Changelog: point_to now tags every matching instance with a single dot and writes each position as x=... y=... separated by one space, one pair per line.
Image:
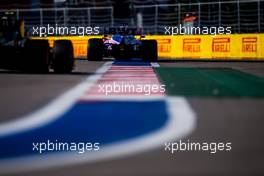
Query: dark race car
x=122 y=45
x=22 y=53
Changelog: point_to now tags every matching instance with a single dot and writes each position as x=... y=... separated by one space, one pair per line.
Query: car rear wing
x=123 y=30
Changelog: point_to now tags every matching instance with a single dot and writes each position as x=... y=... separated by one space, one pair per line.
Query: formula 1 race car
x=122 y=45
x=22 y=53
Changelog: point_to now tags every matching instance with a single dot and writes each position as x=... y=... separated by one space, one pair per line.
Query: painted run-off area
x=217 y=82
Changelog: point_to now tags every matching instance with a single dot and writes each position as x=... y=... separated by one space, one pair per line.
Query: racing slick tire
x=150 y=50
x=36 y=53
x=95 y=49
x=63 y=57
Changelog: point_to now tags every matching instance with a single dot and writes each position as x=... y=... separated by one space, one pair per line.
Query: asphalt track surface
x=238 y=120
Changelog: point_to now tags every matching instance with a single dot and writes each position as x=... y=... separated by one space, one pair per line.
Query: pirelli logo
x=164 y=45
x=221 y=45
x=249 y=44
x=192 y=45
x=80 y=48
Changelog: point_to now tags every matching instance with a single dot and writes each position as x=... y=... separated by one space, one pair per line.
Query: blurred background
x=236 y=115
x=152 y=15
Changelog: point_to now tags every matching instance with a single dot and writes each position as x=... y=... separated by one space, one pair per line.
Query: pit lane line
x=180 y=123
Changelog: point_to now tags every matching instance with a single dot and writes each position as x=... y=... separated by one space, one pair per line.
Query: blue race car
x=122 y=46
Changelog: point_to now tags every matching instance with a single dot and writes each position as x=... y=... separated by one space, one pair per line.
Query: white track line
x=54 y=109
x=154 y=64
x=181 y=122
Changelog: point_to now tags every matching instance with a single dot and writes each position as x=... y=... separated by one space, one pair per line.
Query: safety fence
x=242 y=16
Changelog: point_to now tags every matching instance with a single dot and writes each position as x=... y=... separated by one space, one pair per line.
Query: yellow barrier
x=235 y=46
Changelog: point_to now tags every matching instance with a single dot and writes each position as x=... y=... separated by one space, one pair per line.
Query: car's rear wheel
x=95 y=49
x=149 y=50
x=36 y=56
x=63 y=58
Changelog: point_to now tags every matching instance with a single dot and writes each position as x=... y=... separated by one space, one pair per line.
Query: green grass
x=210 y=82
